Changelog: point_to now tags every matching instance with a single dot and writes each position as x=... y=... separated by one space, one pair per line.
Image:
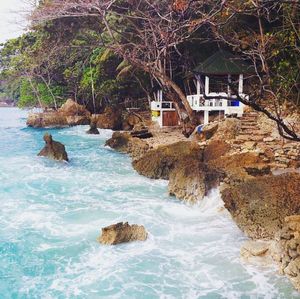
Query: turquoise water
x=51 y=214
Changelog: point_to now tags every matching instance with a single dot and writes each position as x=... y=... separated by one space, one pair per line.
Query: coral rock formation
x=122 y=233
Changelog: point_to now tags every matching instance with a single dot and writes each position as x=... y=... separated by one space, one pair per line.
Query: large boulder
x=122 y=233
x=228 y=129
x=110 y=119
x=216 y=149
x=191 y=179
x=119 y=141
x=125 y=143
x=70 y=114
x=46 y=119
x=158 y=163
x=260 y=205
x=71 y=108
x=53 y=149
x=238 y=167
x=131 y=120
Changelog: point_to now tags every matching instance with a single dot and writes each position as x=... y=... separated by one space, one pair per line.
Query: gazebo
x=214 y=80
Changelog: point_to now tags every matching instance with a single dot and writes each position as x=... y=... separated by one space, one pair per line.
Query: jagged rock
x=53 y=149
x=70 y=114
x=131 y=120
x=137 y=148
x=259 y=205
x=191 y=180
x=125 y=143
x=122 y=233
x=290 y=249
x=216 y=149
x=93 y=127
x=239 y=166
x=158 y=163
x=71 y=108
x=228 y=129
x=119 y=141
x=254 y=248
x=110 y=119
x=77 y=120
x=46 y=119
x=259 y=252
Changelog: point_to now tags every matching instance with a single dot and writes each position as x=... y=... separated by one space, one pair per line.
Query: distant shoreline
x=5 y=105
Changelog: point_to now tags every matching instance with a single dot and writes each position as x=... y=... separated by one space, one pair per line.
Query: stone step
x=244 y=138
x=251 y=133
x=250 y=114
x=249 y=122
x=247 y=127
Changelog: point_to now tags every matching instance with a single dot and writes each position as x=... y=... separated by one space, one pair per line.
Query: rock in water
x=53 y=149
x=93 y=128
x=70 y=114
x=122 y=233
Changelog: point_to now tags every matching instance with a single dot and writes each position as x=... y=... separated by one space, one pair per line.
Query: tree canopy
x=106 y=51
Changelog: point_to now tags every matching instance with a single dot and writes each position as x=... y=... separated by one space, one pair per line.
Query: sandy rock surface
x=122 y=233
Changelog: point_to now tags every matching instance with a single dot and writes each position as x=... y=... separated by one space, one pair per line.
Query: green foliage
x=29 y=94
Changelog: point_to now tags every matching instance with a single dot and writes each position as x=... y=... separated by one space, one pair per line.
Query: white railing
x=198 y=102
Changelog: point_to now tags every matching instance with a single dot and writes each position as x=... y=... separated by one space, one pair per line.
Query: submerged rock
x=53 y=149
x=70 y=114
x=260 y=205
x=122 y=233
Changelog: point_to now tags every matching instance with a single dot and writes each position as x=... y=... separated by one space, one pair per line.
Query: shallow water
x=52 y=213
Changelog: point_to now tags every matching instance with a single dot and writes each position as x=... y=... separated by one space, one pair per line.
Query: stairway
x=252 y=137
x=249 y=130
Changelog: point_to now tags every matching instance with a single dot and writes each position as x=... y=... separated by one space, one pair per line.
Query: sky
x=12 y=18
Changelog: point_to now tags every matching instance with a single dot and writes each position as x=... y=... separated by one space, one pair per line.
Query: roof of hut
x=224 y=63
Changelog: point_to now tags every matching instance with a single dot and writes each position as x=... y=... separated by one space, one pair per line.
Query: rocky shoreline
x=259 y=189
x=257 y=172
